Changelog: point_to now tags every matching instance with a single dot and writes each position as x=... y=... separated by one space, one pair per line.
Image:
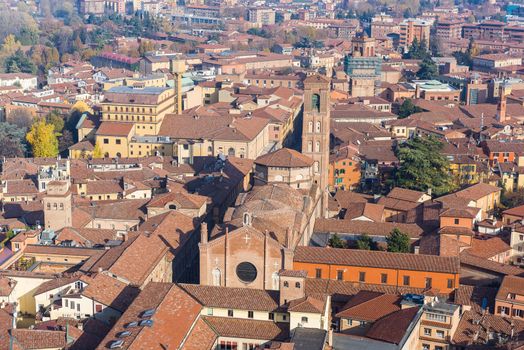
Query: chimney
x=203 y=233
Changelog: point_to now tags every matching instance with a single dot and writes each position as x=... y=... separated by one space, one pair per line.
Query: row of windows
x=428 y=333
x=384 y=278
x=117 y=141
x=250 y=314
x=55 y=206
x=128 y=119
x=310 y=127
x=129 y=109
x=310 y=146
x=233 y=345
x=428 y=347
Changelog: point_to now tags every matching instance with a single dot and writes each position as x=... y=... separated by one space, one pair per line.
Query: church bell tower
x=316 y=129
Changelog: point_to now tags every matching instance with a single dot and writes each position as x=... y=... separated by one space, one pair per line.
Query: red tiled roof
x=393 y=327
x=233 y=298
x=175 y=314
x=370 y=306
x=248 y=329
x=285 y=157
x=114 y=129
x=510 y=284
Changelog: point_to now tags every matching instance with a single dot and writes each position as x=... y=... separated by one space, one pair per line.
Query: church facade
x=260 y=234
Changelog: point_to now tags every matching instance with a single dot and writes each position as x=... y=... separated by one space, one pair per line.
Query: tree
x=407 y=108
x=512 y=199
x=428 y=69
x=97 y=151
x=398 y=242
x=11 y=45
x=21 y=117
x=65 y=141
x=336 y=242
x=417 y=50
x=19 y=62
x=43 y=139
x=12 y=139
x=56 y=120
x=365 y=242
x=423 y=167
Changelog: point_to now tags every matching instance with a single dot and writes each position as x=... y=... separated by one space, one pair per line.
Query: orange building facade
x=399 y=269
x=344 y=172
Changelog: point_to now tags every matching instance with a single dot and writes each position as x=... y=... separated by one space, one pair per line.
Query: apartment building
x=262 y=16
x=411 y=29
x=509 y=301
x=448 y=30
x=142 y=108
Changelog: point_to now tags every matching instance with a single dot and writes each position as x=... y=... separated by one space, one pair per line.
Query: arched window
x=118 y=154
x=279 y=178
x=317 y=146
x=172 y=206
x=55 y=206
x=275 y=280
x=216 y=276
x=231 y=152
x=310 y=146
x=315 y=102
x=297 y=285
x=286 y=284
x=310 y=127
x=317 y=127
x=210 y=151
x=246 y=219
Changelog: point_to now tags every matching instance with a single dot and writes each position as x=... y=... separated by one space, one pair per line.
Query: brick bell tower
x=315 y=131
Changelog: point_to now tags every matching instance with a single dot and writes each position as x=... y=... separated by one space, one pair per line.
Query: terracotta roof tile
x=370 y=306
x=249 y=329
x=488 y=246
x=37 y=339
x=184 y=199
x=233 y=298
x=202 y=337
x=114 y=129
x=467 y=330
x=109 y=291
x=172 y=305
x=510 y=285
x=286 y=158
x=307 y=304
x=392 y=328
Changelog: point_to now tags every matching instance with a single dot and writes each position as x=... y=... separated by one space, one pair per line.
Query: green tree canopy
x=428 y=69
x=365 y=242
x=423 y=167
x=398 y=242
x=43 y=139
x=418 y=50
x=56 y=120
x=407 y=108
x=12 y=139
x=336 y=242
x=19 y=62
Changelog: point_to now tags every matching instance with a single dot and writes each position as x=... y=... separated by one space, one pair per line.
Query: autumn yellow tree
x=43 y=139
x=97 y=151
x=11 y=45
